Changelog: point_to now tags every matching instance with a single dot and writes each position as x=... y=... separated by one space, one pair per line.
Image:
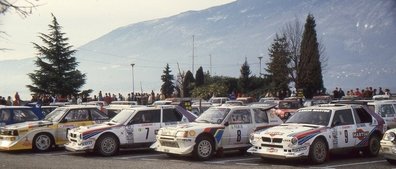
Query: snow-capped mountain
x=359 y=37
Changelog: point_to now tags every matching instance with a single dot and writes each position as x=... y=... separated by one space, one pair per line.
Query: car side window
x=5 y=115
x=387 y=110
x=171 y=115
x=78 y=115
x=96 y=115
x=260 y=116
x=343 y=117
x=24 y=115
x=362 y=116
x=146 y=116
x=241 y=117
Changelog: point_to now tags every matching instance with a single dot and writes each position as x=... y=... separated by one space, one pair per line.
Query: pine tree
x=309 y=73
x=188 y=84
x=57 y=72
x=199 y=77
x=244 y=79
x=167 y=87
x=278 y=70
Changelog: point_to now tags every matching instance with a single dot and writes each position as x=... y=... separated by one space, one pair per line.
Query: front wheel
x=203 y=149
x=318 y=152
x=373 y=147
x=42 y=142
x=107 y=145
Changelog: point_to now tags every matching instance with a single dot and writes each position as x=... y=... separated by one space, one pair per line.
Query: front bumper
x=280 y=153
x=388 y=149
x=174 y=145
x=82 y=146
x=13 y=143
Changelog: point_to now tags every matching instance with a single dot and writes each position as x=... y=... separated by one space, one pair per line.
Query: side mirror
x=226 y=124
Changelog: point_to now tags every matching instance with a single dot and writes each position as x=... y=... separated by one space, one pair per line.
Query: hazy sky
x=85 y=20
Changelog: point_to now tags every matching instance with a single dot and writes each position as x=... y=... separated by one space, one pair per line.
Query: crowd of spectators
x=366 y=93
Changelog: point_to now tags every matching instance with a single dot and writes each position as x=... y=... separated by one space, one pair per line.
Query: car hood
x=95 y=128
x=28 y=124
x=197 y=127
x=292 y=130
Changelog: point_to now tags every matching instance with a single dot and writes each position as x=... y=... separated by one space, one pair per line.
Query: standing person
x=387 y=92
x=380 y=91
x=9 y=101
x=341 y=93
x=100 y=96
x=17 y=101
x=335 y=93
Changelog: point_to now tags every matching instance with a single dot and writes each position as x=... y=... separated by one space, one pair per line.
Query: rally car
x=388 y=146
x=314 y=131
x=51 y=131
x=133 y=127
x=216 y=129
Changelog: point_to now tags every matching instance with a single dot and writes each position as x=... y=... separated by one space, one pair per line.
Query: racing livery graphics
x=133 y=127
x=314 y=131
x=52 y=131
x=217 y=129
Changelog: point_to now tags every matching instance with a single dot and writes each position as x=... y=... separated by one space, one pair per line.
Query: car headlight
x=391 y=136
x=182 y=134
x=159 y=132
x=251 y=137
x=294 y=140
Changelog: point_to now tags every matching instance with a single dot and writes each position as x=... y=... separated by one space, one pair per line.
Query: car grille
x=72 y=135
x=271 y=145
x=169 y=144
x=272 y=140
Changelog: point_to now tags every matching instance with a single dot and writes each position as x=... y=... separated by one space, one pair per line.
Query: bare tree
x=293 y=32
x=24 y=8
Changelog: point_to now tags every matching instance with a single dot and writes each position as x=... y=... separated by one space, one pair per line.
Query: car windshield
x=122 y=116
x=288 y=105
x=214 y=115
x=309 y=116
x=55 y=115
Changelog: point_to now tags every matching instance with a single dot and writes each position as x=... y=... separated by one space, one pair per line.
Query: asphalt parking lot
x=145 y=159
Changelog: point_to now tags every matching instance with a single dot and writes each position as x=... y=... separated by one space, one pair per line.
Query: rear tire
x=373 y=147
x=107 y=145
x=203 y=149
x=42 y=142
x=318 y=151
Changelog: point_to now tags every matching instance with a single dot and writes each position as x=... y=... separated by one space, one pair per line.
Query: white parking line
x=351 y=164
x=233 y=160
x=141 y=156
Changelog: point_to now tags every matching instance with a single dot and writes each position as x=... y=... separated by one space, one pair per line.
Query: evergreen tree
x=199 y=77
x=309 y=73
x=244 y=79
x=167 y=87
x=278 y=70
x=188 y=84
x=57 y=72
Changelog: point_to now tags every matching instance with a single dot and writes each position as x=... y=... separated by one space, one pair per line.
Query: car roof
x=14 y=107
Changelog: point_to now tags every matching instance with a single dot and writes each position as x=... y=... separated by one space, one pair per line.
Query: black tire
x=391 y=161
x=203 y=148
x=243 y=151
x=42 y=142
x=107 y=145
x=373 y=148
x=318 y=151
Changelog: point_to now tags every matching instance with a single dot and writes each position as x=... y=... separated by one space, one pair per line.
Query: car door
x=239 y=127
x=74 y=118
x=343 y=127
x=145 y=123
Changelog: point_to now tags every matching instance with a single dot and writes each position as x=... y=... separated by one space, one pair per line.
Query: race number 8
x=238 y=135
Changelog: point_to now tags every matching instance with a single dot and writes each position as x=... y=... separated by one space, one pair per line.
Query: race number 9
x=346 y=136
x=239 y=135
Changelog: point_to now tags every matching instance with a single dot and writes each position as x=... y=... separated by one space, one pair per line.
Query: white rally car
x=388 y=146
x=217 y=129
x=314 y=131
x=133 y=127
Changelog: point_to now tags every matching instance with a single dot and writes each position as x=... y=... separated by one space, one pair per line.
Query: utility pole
x=210 y=63
x=260 y=57
x=133 y=79
x=193 y=54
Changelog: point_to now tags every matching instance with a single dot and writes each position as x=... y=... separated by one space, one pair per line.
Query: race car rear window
x=171 y=115
x=362 y=116
x=343 y=117
x=260 y=116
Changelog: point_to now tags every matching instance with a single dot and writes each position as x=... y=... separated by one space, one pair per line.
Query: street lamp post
x=260 y=57
x=133 y=79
